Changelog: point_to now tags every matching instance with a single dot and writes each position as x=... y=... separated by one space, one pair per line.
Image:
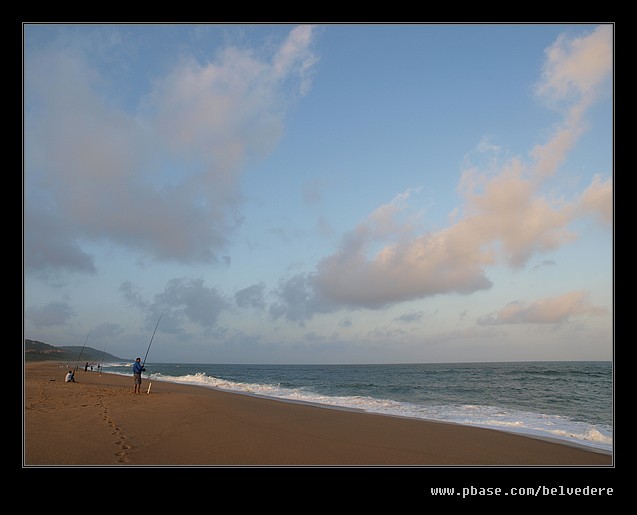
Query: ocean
x=570 y=401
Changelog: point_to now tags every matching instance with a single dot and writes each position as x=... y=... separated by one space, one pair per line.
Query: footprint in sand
x=122 y=455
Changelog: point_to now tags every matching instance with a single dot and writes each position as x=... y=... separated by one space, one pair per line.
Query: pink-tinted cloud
x=577 y=68
x=597 y=200
x=550 y=310
x=574 y=75
x=506 y=217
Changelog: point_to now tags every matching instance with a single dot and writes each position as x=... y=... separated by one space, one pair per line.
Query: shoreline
x=553 y=439
x=190 y=425
x=548 y=438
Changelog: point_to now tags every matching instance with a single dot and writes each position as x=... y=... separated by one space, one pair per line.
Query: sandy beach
x=100 y=421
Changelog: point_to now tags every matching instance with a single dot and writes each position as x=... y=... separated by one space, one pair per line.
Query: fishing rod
x=151 y=338
x=81 y=351
x=101 y=360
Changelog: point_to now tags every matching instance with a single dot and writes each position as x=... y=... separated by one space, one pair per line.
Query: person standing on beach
x=137 y=374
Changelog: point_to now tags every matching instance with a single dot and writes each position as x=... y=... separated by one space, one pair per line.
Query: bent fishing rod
x=151 y=338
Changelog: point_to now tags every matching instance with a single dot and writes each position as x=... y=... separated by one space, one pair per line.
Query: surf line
x=81 y=351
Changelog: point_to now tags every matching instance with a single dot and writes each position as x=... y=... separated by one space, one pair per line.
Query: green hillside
x=39 y=351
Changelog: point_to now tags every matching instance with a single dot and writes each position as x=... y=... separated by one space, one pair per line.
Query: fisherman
x=137 y=374
x=70 y=377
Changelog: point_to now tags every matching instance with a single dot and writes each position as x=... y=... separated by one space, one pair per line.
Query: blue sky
x=320 y=193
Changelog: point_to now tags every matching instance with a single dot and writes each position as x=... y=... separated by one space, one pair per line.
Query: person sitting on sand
x=70 y=377
x=137 y=374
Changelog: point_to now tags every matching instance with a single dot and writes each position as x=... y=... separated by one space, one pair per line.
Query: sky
x=329 y=193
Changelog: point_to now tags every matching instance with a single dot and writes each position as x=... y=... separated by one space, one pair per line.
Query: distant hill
x=38 y=351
